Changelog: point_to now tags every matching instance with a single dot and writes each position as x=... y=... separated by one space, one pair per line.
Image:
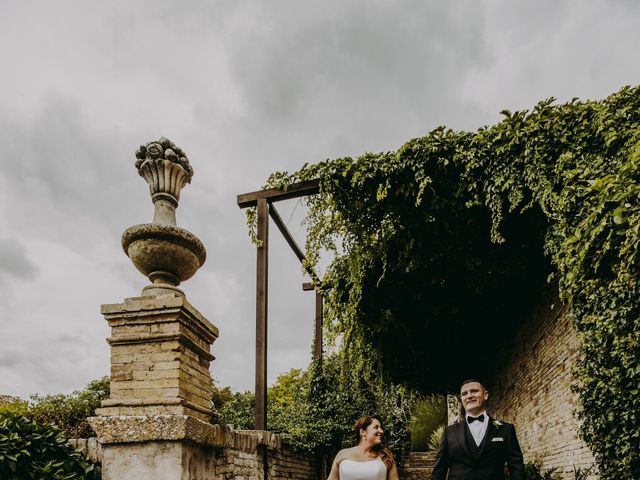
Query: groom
x=479 y=447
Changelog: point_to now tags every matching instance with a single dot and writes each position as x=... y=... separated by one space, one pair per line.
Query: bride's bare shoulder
x=345 y=453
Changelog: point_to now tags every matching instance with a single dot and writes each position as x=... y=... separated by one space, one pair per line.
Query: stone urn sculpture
x=162 y=251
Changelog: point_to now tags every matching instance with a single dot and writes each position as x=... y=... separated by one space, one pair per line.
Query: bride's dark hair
x=383 y=452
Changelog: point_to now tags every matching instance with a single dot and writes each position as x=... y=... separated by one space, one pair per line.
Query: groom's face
x=473 y=397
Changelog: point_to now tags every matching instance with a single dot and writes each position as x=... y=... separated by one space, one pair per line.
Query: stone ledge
x=151 y=304
x=145 y=428
x=248 y=440
x=154 y=401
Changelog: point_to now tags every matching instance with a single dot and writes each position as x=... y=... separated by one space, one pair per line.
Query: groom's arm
x=514 y=457
x=441 y=467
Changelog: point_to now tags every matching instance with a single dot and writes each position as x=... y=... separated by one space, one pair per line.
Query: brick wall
x=247 y=453
x=532 y=390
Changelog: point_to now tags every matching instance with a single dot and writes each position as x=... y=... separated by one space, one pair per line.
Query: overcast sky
x=245 y=88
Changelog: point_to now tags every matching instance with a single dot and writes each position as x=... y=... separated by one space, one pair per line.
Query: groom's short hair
x=472 y=380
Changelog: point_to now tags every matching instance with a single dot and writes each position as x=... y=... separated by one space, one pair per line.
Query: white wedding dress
x=371 y=470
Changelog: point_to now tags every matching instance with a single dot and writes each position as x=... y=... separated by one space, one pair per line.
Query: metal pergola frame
x=264 y=201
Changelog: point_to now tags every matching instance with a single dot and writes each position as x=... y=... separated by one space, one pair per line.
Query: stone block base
x=158 y=460
x=158 y=447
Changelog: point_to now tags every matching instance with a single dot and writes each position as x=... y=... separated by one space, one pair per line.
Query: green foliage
x=220 y=397
x=428 y=414
x=460 y=228
x=535 y=471
x=18 y=407
x=285 y=406
x=239 y=411
x=433 y=442
x=582 y=473
x=316 y=409
x=30 y=450
x=340 y=393
x=70 y=412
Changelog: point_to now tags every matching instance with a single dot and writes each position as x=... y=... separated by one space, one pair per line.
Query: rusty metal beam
x=301 y=189
x=263 y=199
x=277 y=219
x=273 y=213
x=262 y=284
x=318 y=327
x=317 y=333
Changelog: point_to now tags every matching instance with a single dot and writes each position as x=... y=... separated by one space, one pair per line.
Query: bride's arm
x=334 y=474
x=393 y=473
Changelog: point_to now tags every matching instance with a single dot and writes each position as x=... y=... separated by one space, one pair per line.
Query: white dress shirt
x=478 y=428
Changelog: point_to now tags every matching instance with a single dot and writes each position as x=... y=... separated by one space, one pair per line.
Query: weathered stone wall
x=89 y=446
x=250 y=453
x=243 y=454
x=532 y=390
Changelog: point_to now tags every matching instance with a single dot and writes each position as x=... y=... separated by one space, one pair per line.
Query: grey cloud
x=374 y=51
x=14 y=261
x=317 y=81
x=11 y=357
x=246 y=88
x=60 y=155
x=77 y=181
x=365 y=62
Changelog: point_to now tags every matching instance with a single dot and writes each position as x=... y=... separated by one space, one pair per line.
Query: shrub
x=435 y=438
x=316 y=409
x=30 y=450
x=582 y=473
x=220 y=396
x=239 y=411
x=535 y=471
x=70 y=412
x=428 y=414
x=19 y=407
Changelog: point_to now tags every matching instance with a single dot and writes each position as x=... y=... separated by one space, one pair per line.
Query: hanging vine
x=455 y=224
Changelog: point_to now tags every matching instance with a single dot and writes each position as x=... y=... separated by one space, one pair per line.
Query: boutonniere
x=497 y=423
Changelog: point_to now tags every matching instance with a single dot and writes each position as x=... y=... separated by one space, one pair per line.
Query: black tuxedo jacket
x=499 y=447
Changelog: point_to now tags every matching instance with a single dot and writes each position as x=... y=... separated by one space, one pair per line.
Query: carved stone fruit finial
x=166 y=169
x=162 y=251
x=163 y=149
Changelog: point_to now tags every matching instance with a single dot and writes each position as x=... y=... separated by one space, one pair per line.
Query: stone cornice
x=147 y=428
x=164 y=308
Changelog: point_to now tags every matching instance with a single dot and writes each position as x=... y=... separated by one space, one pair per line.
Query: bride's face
x=373 y=433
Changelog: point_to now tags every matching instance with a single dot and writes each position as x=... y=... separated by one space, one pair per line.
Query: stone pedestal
x=159 y=358
x=156 y=423
x=158 y=447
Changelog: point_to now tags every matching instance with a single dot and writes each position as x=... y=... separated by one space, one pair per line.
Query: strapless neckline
x=362 y=461
x=374 y=469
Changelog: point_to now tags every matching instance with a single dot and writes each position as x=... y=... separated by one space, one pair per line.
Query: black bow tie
x=471 y=419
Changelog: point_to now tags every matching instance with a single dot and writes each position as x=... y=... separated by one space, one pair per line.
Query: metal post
x=261 y=314
x=318 y=329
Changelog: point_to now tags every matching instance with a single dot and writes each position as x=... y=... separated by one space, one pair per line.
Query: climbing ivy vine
x=468 y=224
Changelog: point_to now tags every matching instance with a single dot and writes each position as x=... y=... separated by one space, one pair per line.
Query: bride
x=369 y=459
